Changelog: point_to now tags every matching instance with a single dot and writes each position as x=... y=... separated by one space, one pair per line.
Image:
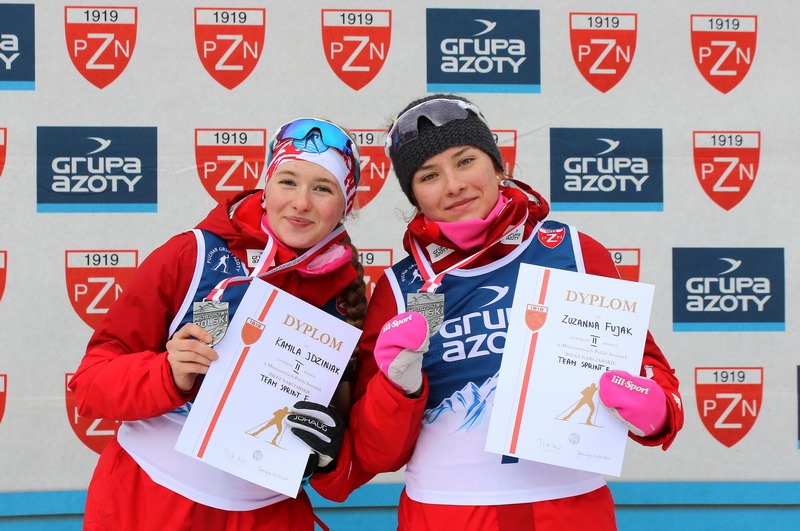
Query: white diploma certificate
x=277 y=350
x=565 y=330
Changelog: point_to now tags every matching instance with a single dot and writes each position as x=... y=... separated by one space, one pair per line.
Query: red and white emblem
x=356 y=43
x=374 y=262
x=728 y=400
x=726 y=163
x=3 y=390
x=723 y=47
x=230 y=160
x=506 y=140
x=535 y=316
x=252 y=330
x=100 y=40
x=3 y=271
x=94 y=433
x=551 y=237
x=375 y=164
x=627 y=262
x=95 y=280
x=229 y=42
x=3 y=133
x=603 y=45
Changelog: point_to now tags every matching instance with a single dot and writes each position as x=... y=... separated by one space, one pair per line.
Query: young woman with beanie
x=145 y=362
x=427 y=367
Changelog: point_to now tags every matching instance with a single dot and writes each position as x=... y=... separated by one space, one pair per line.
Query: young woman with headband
x=146 y=360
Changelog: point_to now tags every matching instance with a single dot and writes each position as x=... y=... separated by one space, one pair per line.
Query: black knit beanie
x=432 y=140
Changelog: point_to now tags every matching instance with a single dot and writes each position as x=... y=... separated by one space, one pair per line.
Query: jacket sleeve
x=124 y=374
x=384 y=421
x=655 y=366
x=348 y=474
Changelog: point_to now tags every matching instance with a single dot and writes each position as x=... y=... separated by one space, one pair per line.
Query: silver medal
x=211 y=316
x=431 y=305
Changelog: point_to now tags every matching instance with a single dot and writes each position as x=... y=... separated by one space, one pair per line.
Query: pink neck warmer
x=472 y=233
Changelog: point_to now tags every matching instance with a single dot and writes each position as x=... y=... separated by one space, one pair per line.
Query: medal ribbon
x=432 y=280
x=262 y=269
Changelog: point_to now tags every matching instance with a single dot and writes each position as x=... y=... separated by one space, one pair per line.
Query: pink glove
x=398 y=351
x=639 y=403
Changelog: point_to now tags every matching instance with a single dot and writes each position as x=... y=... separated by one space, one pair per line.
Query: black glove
x=321 y=428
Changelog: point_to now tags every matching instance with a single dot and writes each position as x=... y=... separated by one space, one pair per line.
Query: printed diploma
x=277 y=350
x=565 y=330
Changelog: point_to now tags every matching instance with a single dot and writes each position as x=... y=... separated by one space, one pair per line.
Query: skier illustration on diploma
x=277 y=421
x=587 y=399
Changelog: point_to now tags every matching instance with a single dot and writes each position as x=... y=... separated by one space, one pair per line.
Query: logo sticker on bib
x=551 y=237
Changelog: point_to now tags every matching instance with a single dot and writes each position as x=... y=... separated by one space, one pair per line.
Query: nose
x=453 y=184
x=301 y=201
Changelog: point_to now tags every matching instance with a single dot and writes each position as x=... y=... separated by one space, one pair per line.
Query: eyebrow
x=455 y=156
x=315 y=179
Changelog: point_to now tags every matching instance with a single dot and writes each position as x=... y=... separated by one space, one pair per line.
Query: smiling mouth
x=299 y=221
x=459 y=204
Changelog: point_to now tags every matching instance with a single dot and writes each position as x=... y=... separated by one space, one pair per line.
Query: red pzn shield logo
x=374 y=262
x=375 y=164
x=728 y=400
x=356 y=43
x=3 y=271
x=229 y=42
x=726 y=164
x=603 y=45
x=100 y=41
x=3 y=391
x=251 y=331
x=723 y=47
x=551 y=237
x=506 y=140
x=95 y=280
x=229 y=160
x=3 y=133
x=627 y=262
x=535 y=316
x=94 y=433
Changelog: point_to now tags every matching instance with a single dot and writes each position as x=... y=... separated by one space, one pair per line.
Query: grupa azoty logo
x=483 y=50
x=96 y=169
x=725 y=289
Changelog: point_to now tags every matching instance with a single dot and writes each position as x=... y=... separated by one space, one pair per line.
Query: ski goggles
x=332 y=136
x=439 y=111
